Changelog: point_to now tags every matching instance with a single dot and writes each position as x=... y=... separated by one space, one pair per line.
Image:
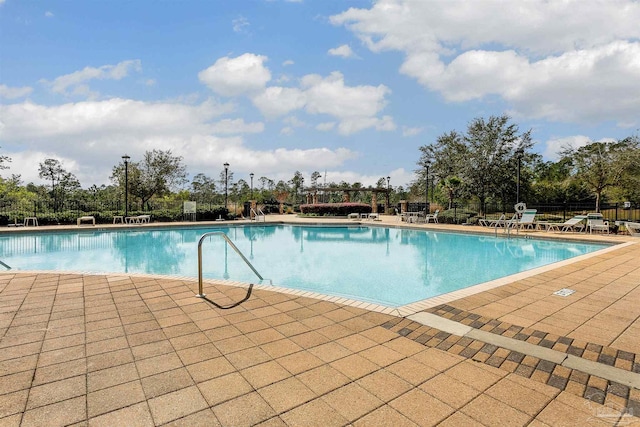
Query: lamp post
x=388 y=196
x=251 y=176
x=226 y=184
x=126 y=185
x=302 y=189
x=426 y=199
x=519 y=155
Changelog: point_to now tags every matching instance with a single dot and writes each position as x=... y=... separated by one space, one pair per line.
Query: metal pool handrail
x=5 y=265
x=201 y=294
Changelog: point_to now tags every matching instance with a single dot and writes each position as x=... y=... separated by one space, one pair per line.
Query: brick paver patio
x=79 y=349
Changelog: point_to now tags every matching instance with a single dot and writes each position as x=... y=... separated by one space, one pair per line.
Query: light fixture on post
x=126 y=185
x=226 y=184
x=388 y=194
x=251 y=176
x=519 y=156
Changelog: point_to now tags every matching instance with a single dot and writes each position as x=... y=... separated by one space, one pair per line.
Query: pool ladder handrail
x=509 y=224
x=201 y=294
x=5 y=265
x=257 y=215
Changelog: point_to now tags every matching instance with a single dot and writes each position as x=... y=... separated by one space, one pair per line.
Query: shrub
x=212 y=214
x=334 y=209
x=458 y=216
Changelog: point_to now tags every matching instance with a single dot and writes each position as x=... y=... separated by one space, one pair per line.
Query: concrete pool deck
x=84 y=349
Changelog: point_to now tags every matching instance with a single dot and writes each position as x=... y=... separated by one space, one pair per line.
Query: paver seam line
x=607 y=372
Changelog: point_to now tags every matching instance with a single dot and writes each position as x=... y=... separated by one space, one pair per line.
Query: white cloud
x=240 y=24
x=326 y=126
x=93 y=132
x=552 y=60
x=233 y=126
x=355 y=124
x=288 y=62
x=14 y=92
x=329 y=95
x=277 y=101
x=76 y=81
x=356 y=107
x=411 y=131
x=293 y=121
x=343 y=51
x=48 y=14
x=398 y=177
x=242 y=75
x=554 y=146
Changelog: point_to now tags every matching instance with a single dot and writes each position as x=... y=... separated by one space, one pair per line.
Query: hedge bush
x=334 y=209
x=457 y=216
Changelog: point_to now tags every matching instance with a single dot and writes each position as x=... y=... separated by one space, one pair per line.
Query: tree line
x=492 y=161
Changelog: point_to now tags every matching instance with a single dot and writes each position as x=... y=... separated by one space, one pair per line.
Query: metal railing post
x=201 y=293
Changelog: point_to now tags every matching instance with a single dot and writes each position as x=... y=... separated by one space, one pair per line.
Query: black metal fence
x=625 y=211
x=161 y=210
x=67 y=212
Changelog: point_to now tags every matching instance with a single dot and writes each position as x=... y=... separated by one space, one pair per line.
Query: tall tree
x=315 y=176
x=451 y=185
x=157 y=174
x=62 y=181
x=602 y=165
x=491 y=147
x=485 y=158
x=3 y=160
x=203 y=188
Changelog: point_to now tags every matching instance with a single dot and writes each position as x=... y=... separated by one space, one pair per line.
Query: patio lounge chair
x=573 y=224
x=527 y=220
x=596 y=222
x=433 y=217
x=500 y=222
x=139 y=219
x=633 y=228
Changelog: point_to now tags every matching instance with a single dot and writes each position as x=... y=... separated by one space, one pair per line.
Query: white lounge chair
x=499 y=222
x=596 y=222
x=433 y=217
x=633 y=228
x=139 y=219
x=527 y=220
x=569 y=225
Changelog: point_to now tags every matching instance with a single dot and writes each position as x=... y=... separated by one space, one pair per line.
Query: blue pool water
x=389 y=266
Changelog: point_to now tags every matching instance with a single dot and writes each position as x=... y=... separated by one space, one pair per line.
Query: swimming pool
x=388 y=266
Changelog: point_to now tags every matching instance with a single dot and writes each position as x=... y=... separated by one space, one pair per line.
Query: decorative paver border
x=591 y=387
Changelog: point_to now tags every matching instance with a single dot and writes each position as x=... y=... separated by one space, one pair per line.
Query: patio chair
x=499 y=222
x=633 y=228
x=433 y=217
x=596 y=222
x=527 y=220
x=569 y=225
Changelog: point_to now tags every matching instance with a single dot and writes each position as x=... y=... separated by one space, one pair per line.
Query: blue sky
x=349 y=87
